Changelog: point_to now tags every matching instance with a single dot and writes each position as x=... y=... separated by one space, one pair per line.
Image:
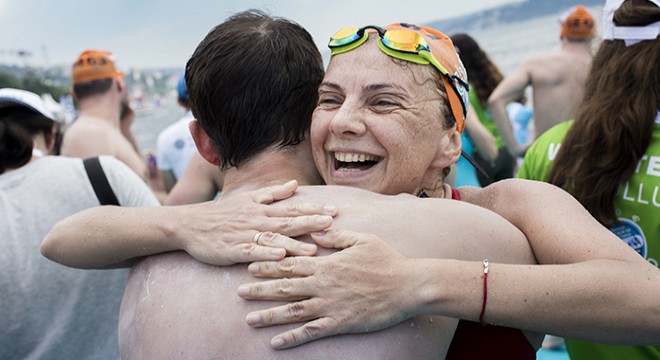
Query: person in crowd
x=175 y=145
x=522 y=125
x=50 y=311
x=557 y=80
x=521 y=115
x=201 y=181
x=103 y=126
x=484 y=77
x=371 y=166
x=609 y=157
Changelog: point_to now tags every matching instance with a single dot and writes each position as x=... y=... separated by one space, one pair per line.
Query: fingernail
x=243 y=290
x=277 y=342
x=253 y=268
x=330 y=209
x=308 y=247
x=319 y=233
x=324 y=220
x=253 y=319
x=279 y=252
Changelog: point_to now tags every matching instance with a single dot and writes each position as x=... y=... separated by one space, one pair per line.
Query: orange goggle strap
x=422 y=57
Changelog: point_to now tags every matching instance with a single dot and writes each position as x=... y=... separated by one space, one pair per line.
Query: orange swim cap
x=578 y=24
x=94 y=65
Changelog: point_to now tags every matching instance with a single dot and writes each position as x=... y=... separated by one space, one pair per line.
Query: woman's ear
x=449 y=150
x=203 y=143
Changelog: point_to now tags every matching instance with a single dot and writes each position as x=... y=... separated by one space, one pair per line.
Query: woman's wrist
x=172 y=229
x=447 y=287
x=429 y=287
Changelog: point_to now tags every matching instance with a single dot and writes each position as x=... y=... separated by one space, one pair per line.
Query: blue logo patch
x=632 y=234
x=179 y=144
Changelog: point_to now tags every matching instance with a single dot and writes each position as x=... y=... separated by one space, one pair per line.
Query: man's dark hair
x=91 y=88
x=253 y=83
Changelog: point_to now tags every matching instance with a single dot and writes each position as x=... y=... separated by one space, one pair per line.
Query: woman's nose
x=348 y=121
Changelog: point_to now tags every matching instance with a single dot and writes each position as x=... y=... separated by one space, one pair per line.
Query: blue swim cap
x=182 y=90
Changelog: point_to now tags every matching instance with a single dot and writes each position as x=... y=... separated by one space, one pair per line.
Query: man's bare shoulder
x=561 y=60
x=88 y=138
x=378 y=206
x=541 y=61
x=509 y=189
x=349 y=194
x=407 y=223
x=405 y=206
x=88 y=130
x=517 y=199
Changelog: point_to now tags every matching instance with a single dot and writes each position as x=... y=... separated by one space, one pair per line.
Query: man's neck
x=270 y=168
x=100 y=108
x=576 y=46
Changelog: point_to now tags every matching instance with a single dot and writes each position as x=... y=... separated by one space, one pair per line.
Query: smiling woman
x=364 y=124
x=372 y=103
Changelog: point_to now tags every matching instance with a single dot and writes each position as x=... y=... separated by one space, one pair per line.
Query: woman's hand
x=251 y=226
x=362 y=288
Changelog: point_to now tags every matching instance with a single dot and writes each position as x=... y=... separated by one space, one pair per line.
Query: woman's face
x=379 y=124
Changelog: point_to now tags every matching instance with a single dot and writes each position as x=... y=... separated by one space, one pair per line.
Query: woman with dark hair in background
x=609 y=157
x=484 y=77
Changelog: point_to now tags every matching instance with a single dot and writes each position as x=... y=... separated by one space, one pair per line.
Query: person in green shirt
x=609 y=157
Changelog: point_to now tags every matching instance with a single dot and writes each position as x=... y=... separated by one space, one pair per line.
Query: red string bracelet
x=483 y=306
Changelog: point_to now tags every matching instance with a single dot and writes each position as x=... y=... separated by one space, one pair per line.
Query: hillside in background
x=507 y=14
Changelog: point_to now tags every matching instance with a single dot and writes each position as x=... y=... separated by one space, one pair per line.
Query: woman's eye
x=329 y=100
x=385 y=103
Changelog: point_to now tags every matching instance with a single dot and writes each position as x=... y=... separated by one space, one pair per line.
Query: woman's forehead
x=367 y=65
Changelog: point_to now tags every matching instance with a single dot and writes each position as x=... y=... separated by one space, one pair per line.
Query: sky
x=157 y=34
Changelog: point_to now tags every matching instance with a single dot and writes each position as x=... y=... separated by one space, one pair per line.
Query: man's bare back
x=558 y=81
x=176 y=305
x=90 y=136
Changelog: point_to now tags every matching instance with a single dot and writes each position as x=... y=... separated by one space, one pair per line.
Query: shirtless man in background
x=102 y=98
x=557 y=80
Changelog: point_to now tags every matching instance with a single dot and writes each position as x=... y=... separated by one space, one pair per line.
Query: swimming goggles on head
x=409 y=45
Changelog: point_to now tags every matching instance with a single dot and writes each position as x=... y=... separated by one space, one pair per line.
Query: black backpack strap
x=100 y=182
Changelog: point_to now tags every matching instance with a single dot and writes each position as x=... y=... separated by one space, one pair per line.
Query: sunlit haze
x=149 y=34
